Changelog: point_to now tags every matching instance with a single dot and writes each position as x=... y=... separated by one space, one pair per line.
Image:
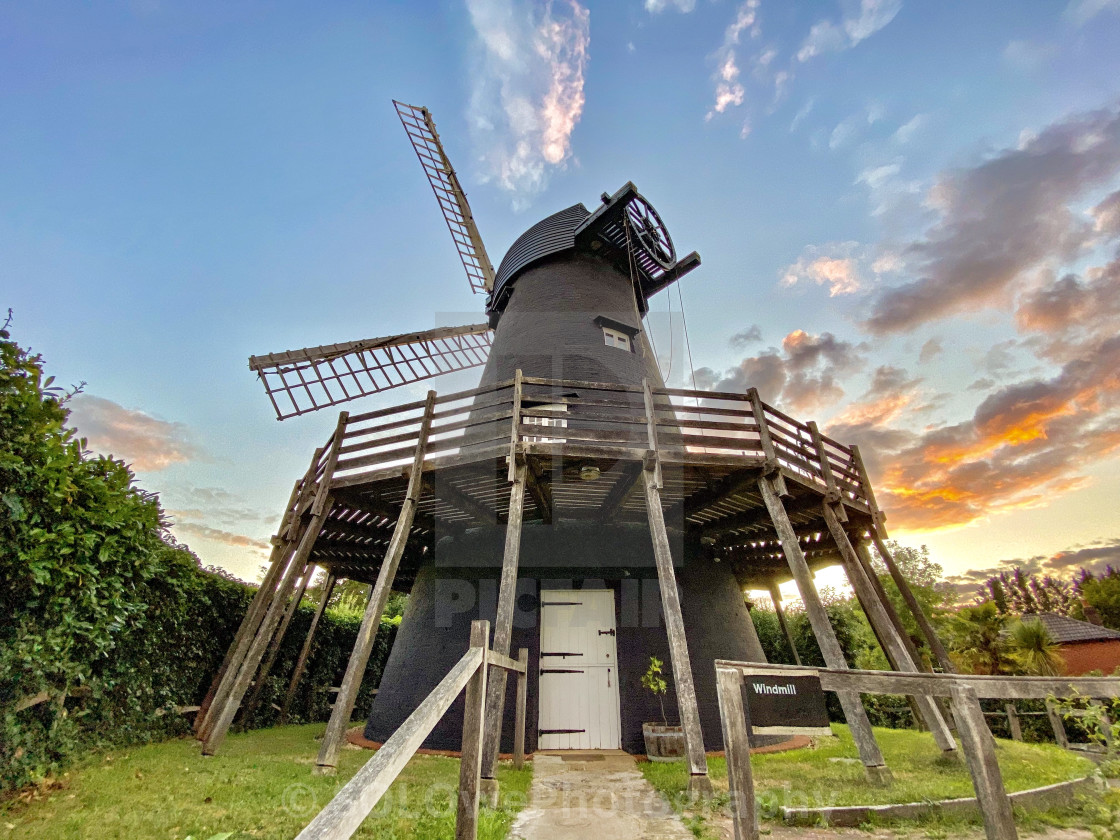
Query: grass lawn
x=830 y=773
x=259 y=786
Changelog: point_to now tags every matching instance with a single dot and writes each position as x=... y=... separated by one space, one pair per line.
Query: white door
x=578 y=671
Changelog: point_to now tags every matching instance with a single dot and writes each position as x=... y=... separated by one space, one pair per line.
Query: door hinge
x=560 y=671
x=607 y=632
x=561 y=653
x=559 y=731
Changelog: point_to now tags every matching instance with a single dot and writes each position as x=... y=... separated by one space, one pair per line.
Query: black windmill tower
x=571 y=499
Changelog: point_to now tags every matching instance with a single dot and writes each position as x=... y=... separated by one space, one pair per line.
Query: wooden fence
x=341 y=817
x=964 y=693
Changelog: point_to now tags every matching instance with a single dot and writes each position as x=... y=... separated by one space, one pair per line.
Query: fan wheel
x=651 y=232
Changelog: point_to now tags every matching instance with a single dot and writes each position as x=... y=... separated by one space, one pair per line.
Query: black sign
x=785 y=701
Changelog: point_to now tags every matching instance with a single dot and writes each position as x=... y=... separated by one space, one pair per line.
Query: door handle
x=606 y=632
x=608 y=677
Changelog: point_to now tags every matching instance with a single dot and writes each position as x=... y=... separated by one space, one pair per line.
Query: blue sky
x=907 y=214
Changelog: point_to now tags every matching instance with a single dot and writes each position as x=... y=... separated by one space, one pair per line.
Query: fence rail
x=593 y=419
x=963 y=691
x=342 y=816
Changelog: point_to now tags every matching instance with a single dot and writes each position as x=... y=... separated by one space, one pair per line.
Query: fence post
x=519 y=712
x=980 y=753
x=474 y=718
x=1059 y=727
x=736 y=744
x=1013 y=722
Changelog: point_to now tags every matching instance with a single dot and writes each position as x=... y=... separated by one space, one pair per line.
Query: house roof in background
x=1063 y=629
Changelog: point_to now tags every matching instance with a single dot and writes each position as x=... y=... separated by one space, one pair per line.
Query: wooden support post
x=854 y=712
x=1059 y=728
x=514 y=437
x=250 y=708
x=308 y=533
x=235 y=653
x=776 y=598
x=678 y=642
x=772 y=470
x=520 y=709
x=736 y=744
x=503 y=630
x=225 y=685
x=924 y=624
x=474 y=718
x=305 y=651
x=227 y=700
x=888 y=636
x=1013 y=721
x=864 y=556
x=699 y=783
x=284 y=543
x=327 y=760
x=980 y=753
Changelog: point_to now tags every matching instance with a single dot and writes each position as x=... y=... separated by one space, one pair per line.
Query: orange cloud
x=1025 y=444
x=147 y=443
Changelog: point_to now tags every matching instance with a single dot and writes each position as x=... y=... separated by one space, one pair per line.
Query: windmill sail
x=421 y=129
x=299 y=381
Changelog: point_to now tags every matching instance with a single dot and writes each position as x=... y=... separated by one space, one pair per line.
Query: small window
x=614 y=338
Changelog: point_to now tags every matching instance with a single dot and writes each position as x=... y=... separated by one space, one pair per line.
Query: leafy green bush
x=108 y=622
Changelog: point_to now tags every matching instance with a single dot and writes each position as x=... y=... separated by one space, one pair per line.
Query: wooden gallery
x=592 y=515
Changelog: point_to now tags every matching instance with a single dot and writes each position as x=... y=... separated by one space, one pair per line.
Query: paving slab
x=575 y=795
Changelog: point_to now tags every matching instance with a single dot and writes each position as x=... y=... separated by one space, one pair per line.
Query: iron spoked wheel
x=651 y=232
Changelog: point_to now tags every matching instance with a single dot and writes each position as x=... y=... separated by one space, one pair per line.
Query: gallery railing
x=593 y=420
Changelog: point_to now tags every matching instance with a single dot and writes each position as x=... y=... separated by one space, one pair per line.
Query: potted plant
x=663 y=742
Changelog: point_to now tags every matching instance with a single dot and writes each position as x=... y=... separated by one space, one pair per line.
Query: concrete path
x=601 y=794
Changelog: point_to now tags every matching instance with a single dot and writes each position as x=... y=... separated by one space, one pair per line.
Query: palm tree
x=1035 y=649
x=979 y=640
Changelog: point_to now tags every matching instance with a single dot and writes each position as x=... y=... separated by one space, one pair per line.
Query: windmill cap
x=548 y=237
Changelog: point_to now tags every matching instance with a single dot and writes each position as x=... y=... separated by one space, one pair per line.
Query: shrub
x=105 y=615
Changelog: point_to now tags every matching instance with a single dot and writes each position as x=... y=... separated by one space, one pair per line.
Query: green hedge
x=102 y=610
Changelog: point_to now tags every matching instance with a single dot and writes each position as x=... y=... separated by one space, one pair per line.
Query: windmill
x=568 y=498
x=300 y=381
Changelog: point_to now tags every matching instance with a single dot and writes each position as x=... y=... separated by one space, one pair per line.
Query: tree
x=926 y=579
x=1102 y=593
x=1022 y=593
x=1034 y=648
x=978 y=639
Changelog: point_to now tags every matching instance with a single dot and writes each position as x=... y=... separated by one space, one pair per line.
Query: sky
x=908 y=215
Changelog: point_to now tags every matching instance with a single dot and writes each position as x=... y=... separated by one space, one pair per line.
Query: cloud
x=729 y=89
x=930 y=350
x=1093 y=556
x=850 y=127
x=1082 y=11
x=826 y=36
x=1003 y=221
x=905 y=132
x=802 y=114
x=729 y=92
x=803 y=374
x=841 y=266
x=750 y=335
x=1025 y=443
x=147 y=443
x=218 y=535
x=527 y=89
x=657 y=6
